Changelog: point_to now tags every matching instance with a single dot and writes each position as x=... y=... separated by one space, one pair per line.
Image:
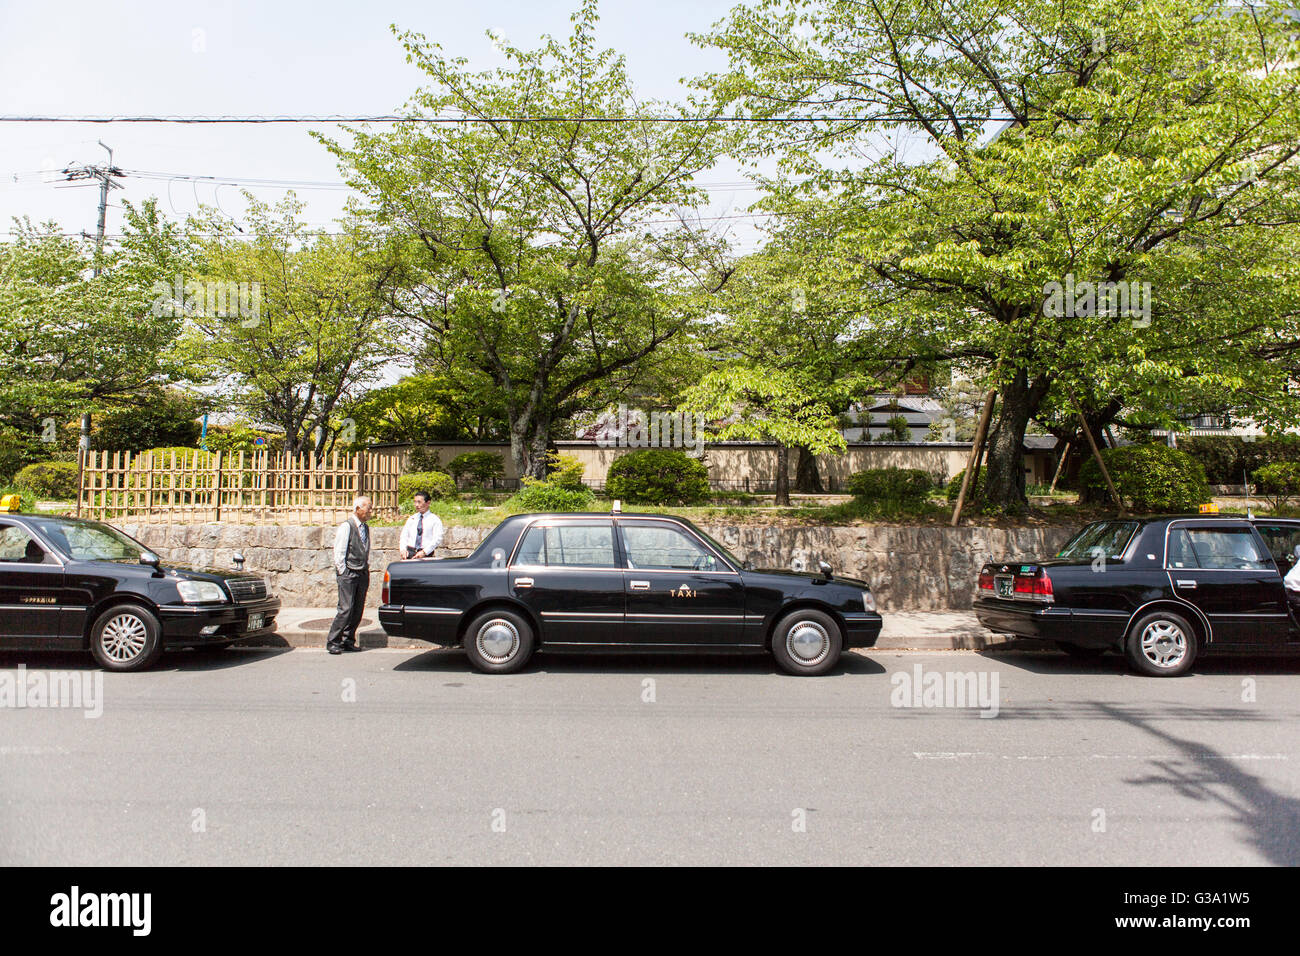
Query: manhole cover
x=324 y=623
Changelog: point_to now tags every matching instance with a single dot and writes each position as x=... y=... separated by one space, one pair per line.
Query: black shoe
x=334 y=649
x=351 y=647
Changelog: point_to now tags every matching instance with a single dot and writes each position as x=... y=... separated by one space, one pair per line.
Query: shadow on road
x=179 y=660
x=453 y=660
x=1049 y=662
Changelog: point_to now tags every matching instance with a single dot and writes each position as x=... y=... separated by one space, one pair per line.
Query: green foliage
x=424 y=408
x=891 y=485
x=1227 y=459
x=1152 y=477
x=437 y=484
x=537 y=495
x=657 y=476
x=424 y=458
x=162 y=458
x=954 y=486
x=477 y=467
x=564 y=471
x=49 y=479
x=162 y=419
x=1279 y=482
x=898 y=429
x=241 y=436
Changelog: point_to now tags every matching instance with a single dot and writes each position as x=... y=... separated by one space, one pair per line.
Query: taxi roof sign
x=11 y=503
x=1210 y=509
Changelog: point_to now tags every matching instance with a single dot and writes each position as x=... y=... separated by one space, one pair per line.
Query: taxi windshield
x=89 y=540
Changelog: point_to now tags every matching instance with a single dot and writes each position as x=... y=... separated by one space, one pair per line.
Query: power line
x=393 y=118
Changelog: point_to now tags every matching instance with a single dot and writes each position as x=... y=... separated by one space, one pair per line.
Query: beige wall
x=737 y=461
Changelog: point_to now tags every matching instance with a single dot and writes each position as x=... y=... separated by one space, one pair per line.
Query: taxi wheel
x=499 y=642
x=1161 y=644
x=806 y=642
x=126 y=638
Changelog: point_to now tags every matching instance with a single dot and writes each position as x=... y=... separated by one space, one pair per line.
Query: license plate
x=1005 y=586
x=255 y=621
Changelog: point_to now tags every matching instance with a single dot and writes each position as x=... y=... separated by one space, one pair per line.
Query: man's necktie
x=419 y=534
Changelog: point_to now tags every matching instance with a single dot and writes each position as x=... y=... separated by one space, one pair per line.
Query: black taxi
x=70 y=584
x=640 y=582
x=1159 y=589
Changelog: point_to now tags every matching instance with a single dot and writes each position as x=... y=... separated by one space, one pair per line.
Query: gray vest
x=358 y=558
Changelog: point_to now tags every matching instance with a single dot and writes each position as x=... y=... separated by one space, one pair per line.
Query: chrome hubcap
x=1164 y=644
x=497 y=640
x=123 y=638
x=808 y=642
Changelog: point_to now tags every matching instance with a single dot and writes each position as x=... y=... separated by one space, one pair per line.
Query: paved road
x=257 y=757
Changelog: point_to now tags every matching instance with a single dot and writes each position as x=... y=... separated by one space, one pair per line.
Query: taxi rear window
x=1100 y=539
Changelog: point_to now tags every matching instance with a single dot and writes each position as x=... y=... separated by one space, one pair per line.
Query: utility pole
x=105 y=175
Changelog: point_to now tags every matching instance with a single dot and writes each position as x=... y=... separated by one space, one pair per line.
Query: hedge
x=911 y=485
x=1152 y=477
x=49 y=479
x=658 y=476
x=1227 y=459
x=538 y=495
x=478 y=467
x=437 y=485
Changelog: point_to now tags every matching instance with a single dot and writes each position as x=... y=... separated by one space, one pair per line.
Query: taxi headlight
x=200 y=592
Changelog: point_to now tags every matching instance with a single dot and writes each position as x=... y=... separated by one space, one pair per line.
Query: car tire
x=126 y=637
x=1081 y=652
x=499 y=642
x=807 y=642
x=1161 y=644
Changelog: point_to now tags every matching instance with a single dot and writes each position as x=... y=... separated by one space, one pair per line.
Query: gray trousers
x=352 y=602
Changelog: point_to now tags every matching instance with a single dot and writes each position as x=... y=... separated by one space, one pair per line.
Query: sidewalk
x=904 y=630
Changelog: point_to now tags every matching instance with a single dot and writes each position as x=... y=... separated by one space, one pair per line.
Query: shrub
x=891 y=484
x=477 y=467
x=243 y=437
x=437 y=484
x=954 y=486
x=537 y=495
x=658 y=476
x=1279 y=482
x=1228 y=459
x=49 y=479
x=423 y=459
x=1152 y=477
x=565 y=471
x=162 y=458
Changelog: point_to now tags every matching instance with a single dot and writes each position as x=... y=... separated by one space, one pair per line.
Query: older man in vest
x=352 y=566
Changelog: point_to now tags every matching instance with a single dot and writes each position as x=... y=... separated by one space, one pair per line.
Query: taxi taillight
x=986 y=580
x=383 y=594
x=1035 y=586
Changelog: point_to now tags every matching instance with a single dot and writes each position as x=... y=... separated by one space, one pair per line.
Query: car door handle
x=639 y=585
x=523 y=582
x=1183 y=583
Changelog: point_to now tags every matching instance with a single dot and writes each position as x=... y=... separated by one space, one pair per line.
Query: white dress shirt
x=431 y=538
x=1292 y=579
x=341 y=543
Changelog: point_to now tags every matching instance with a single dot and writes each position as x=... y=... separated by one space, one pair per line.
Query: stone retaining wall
x=910 y=568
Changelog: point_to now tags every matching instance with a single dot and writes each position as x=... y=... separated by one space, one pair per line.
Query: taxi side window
x=663 y=547
x=574 y=545
x=18 y=547
x=1224 y=549
x=1282 y=541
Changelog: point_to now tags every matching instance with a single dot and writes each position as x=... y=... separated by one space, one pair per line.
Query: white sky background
x=261 y=58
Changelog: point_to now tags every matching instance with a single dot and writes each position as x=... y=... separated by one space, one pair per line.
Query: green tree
x=760 y=403
x=1038 y=144
x=532 y=273
x=308 y=331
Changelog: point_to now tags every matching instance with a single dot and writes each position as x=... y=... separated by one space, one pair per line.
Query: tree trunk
x=782 y=475
x=529 y=441
x=1004 y=477
x=807 y=479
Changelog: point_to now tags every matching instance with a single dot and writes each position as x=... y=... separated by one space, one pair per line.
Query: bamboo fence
x=196 y=487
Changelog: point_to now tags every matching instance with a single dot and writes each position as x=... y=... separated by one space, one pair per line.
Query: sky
x=272 y=58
